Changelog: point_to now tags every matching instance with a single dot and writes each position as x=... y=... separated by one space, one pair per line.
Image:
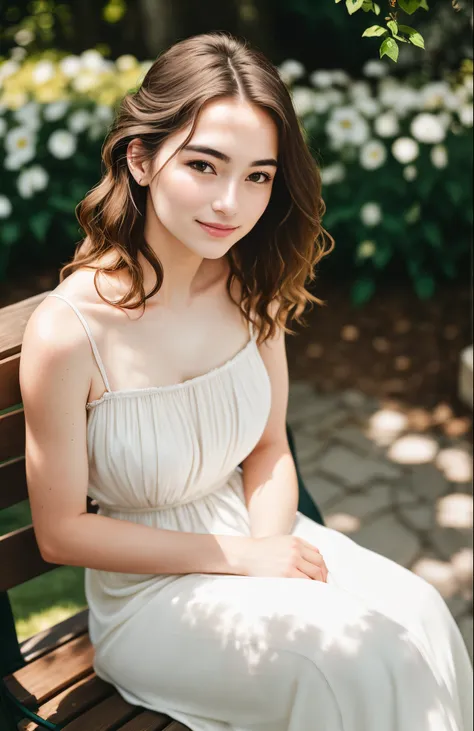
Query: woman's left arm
x=269 y=473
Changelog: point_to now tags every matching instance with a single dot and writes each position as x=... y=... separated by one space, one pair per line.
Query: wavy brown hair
x=275 y=259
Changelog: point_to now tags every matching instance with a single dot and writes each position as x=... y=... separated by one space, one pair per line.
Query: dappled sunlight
x=456 y=464
x=343 y=522
x=385 y=425
x=413 y=449
x=454 y=511
x=440 y=574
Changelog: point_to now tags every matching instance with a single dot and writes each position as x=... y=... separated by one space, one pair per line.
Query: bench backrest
x=20 y=557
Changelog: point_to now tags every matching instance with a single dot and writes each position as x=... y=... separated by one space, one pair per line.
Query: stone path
x=406 y=494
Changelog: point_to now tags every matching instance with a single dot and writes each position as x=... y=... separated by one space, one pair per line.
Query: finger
x=317 y=560
x=314 y=572
x=297 y=574
x=309 y=545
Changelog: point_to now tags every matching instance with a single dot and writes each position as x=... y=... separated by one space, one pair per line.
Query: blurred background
x=382 y=374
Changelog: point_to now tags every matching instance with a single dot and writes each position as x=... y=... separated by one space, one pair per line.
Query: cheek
x=177 y=191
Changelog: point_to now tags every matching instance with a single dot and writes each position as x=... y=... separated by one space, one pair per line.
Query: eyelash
x=204 y=162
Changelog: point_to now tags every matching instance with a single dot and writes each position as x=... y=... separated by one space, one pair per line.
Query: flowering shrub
x=395 y=160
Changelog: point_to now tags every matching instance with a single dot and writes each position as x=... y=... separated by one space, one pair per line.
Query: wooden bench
x=47 y=681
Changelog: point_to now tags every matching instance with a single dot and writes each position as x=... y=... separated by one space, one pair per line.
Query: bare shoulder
x=55 y=348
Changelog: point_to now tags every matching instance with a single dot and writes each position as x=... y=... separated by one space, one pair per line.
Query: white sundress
x=373 y=649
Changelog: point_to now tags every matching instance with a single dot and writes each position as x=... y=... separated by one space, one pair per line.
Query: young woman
x=153 y=371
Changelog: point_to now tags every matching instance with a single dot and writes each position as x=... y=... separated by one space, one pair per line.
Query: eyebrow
x=226 y=158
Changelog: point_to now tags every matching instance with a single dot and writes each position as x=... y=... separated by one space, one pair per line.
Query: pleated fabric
x=373 y=649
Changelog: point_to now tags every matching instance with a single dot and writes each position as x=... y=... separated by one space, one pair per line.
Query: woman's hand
x=284 y=556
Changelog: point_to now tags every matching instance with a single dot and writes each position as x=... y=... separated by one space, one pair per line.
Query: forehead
x=240 y=129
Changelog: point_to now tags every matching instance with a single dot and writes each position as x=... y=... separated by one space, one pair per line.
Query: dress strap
x=89 y=335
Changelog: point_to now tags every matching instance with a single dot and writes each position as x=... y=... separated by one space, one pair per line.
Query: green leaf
x=424 y=286
x=413 y=35
x=63 y=204
x=376 y=9
x=362 y=290
x=374 y=31
x=393 y=25
x=38 y=224
x=382 y=256
x=389 y=48
x=433 y=234
x=409 y=6
x=10 y=232
x=455 y=191
x=353 y=6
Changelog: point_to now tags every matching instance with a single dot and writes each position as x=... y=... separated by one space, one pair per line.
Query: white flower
x=79 y=121
x=426 y=127
x=92 y=60
x=335 y=97
x=28 y=115
x=372 y=155
x=366 y=249
x=401 y=99
x=18 y=53
x=368 y=106
x=386 y=125
x=3 y=126
x=85 y=81
x=346 y=126
x=43 y=71
x=55 y=110
x=360 y=89
x=103 y=113
x=468 y=83
x=321 y=102
x=5 y=206
x=62 y=144
x=433 y=94
x=289 y=70
x=439 y=156
x=371 y=214
x=302 y=100
x=410 y=172
x=31 y=180
x=24 y=36
x=70 y=65
x=8 y=68
x=20 y=144
x=375 y=69
x=127 y=62
x=334 y=173
x=465 y=115
x=405 y=149
x=322 y=79
x=340 y=77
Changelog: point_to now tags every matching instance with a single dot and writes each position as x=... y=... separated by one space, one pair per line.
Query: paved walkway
x=403 y=491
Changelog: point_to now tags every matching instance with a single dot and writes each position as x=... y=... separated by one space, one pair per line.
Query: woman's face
x=228 y=181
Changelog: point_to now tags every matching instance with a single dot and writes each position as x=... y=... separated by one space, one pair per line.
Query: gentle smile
x=217 y=230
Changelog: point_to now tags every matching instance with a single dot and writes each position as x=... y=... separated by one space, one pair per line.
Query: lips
x=218 y=226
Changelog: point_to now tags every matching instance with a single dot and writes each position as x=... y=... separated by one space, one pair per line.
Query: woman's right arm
x=55 y=376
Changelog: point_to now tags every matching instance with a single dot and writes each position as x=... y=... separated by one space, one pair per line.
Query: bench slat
x=13 y=485
x=71 y=702
x=47 y=640
x=107 y=716
x=151 y=721
x=20 y=558
x=13 y=319
x=12 y=434
x=10 y=393
x=42 y=679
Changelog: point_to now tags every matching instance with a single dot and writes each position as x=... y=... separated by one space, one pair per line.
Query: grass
x=47 y=599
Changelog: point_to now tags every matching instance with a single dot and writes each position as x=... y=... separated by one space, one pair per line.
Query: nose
x=226 y=201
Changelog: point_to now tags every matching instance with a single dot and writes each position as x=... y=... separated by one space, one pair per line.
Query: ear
x=137 y=166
